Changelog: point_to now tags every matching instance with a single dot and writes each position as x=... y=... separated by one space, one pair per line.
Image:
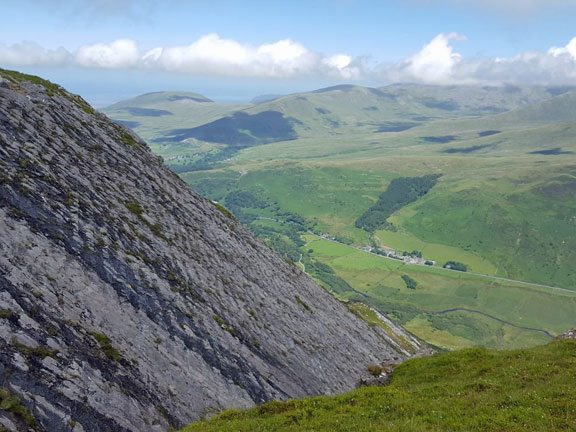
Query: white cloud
x=436 y=61
x=569 y=49
x=344 y=66
x=32 y=54
x=339 y=61
x=120 y=54
x=215 y=55
x=283 y=51
x=287 y=57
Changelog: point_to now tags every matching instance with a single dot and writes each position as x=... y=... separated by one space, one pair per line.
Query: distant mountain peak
x=161 y=97
x=265 y=98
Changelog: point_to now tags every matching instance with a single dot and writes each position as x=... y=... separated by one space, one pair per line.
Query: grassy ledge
x=51 y=89
x=471 y=390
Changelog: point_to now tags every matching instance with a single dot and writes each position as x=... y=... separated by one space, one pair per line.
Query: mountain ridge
x=206 y=133
x=128 y=302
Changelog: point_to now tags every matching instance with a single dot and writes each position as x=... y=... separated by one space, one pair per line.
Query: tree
x=455 y=265
x=410 y=283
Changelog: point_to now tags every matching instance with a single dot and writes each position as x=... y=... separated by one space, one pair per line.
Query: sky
x=233 y=50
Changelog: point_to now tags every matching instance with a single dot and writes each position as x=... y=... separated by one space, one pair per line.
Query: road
x=554 y=288
x=456 y=271
x=301 y=263
x=547 y=333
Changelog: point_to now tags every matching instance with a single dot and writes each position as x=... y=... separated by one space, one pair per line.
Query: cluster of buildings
x=391 y=253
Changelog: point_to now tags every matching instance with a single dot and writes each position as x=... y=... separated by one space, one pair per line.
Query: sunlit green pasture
x=470 y=390
x=532 y=310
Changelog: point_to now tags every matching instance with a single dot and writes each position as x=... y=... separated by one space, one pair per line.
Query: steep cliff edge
x=128 y=302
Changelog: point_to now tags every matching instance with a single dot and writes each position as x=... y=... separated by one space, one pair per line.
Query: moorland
x=490 y=171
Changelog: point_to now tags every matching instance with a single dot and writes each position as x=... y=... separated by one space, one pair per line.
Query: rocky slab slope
x=130 y=303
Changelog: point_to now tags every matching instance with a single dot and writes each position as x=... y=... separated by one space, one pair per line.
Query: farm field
x=502 y=221
x=493 y=314
x=504 y=203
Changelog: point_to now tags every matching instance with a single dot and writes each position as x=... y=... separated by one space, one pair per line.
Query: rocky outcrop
x=130 y=303
x=570 y=334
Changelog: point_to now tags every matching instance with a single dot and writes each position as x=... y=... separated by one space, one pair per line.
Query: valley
x=327 y=216
x=502 y=204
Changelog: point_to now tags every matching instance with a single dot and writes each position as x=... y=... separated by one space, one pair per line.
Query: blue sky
x=107 y=50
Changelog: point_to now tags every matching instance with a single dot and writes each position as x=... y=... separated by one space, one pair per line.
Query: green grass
x=326 y=195
x=13 y=404
x=475 y=220
x=472 y=390
x=498 y=209
x=502 y=220
x=405 y=241
x=106 y=346
x=438 y=290
x=518 y=221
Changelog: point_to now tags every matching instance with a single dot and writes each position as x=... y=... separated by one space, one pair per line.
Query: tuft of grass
x=29 y=352
x=128 y=140
x=138 y=211
x=13 y=404
x=375 y=370
x=303 y=303
x=223 y=210
x=7 y=314
x=51 y=89
x=474 y=389
x=106 y=346
x=224 y=324
x=134 y=208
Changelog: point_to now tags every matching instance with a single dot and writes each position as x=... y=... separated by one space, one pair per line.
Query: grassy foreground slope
x=471 y=390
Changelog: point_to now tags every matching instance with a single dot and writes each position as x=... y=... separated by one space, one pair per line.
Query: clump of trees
x=325 y=273
x=455 y=265
x=401 y=192
x=410 y=283
x=244 y=199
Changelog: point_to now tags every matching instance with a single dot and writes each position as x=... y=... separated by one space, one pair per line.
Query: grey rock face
x=130 y=303
x=570 y=334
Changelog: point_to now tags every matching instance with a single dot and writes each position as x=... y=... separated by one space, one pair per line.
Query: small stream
x=497 y=319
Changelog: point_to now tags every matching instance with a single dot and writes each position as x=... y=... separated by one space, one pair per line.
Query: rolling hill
x=189 y=129
x=504 y=203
